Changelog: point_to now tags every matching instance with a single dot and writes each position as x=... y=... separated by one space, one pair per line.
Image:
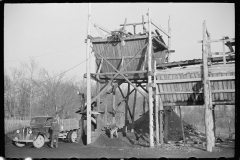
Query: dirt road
x=69 y=150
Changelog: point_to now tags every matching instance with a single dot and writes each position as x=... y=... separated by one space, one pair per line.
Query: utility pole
x=88 y=78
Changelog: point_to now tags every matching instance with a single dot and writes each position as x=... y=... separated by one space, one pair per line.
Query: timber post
x=134 y=106
x=161 y=120
x=156 y=104
x=88 y=79
x=114 y=106
x=207 y=103
x=166 y=114
x=150 y=102
x=126 y=108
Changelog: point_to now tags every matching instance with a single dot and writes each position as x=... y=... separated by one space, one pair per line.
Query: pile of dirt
x=174 y=128
x=104 y=141
x=140 y=136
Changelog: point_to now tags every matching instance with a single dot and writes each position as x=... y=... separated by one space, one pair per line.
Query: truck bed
x=69 y=124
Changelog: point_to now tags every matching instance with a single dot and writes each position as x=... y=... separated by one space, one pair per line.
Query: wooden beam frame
x=195 y=79
x=208 y=112
x=160 y=28
x=156 y=104
x=217 y=40
x=150 y=89
x=160 y=43
x=120 y=72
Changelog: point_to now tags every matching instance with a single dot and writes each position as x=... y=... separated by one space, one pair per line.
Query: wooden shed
x=183 y=86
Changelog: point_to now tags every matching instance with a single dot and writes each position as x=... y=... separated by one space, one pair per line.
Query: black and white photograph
x=119 y=80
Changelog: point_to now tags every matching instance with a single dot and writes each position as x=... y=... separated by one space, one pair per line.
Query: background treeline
x=30 y=90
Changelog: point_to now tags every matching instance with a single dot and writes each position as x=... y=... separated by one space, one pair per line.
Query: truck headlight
x=18 y=131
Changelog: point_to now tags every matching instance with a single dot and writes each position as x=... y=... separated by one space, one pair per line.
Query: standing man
x=55 y=131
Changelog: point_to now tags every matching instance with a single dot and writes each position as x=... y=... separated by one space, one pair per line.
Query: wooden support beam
x=214 y=120
x=160 y=28
x=113 y=73
x=134 y=106
x=113 y=106
x=156 y=104
x=125 y=98
x=224 y=56
x=169 y=40
x=126 y=107
x=106 y=113
x=144 y=105
x=102 y=28
x=195 y=79
x=197 y=103
x=89 y=131
x=133 y=24
x=161 y=120
x=217 y=40
x=99 y=31
x=196 y=92
x=183 y=134
x=98 y=104
x=221 y=53
x=208 y=108
x=160 y=43
x=150 y=101
x=166 y=115
x=143 y=88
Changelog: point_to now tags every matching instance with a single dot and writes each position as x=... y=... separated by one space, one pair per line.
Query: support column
x=88 y=79
x=169 y=39
x=113 y=105
x=126 y=109
x=214 y=122
x=161 y=119
x=183 y=134
x=98 y=104
x=208 y=107
x=166 y=114
x=156 y=104
x=134 y=106
x=150 y=102
x=106 y=112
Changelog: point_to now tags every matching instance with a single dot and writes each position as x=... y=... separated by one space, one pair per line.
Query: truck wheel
x=19 y=144
x=72 y=136
x=39 y=142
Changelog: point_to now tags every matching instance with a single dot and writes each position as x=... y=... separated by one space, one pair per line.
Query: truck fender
x=35 y=135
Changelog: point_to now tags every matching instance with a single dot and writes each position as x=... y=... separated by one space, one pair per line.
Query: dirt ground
x=117 y=148
x=130 y=144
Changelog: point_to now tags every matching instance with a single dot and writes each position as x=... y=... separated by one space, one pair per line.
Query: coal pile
x=104 y=141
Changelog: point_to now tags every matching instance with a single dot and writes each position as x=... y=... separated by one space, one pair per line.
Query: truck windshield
x=40 y=120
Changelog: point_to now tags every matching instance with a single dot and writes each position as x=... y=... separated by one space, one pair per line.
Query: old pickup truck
x=38 y=133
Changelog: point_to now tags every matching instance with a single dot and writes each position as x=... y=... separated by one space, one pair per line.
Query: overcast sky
x=54 y=34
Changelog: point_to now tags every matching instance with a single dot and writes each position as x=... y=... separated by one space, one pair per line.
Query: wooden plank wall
x=113 y=51
x=187 y=89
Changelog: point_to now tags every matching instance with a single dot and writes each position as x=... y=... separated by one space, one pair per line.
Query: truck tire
x=72 y=136
x=39 y=141
x=19 y=144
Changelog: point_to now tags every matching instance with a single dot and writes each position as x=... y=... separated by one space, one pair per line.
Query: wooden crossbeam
x=160 y=28
x=160 y=43
x=217 y=40
x=195 y=92
x=195 y=79
x=133 y=24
